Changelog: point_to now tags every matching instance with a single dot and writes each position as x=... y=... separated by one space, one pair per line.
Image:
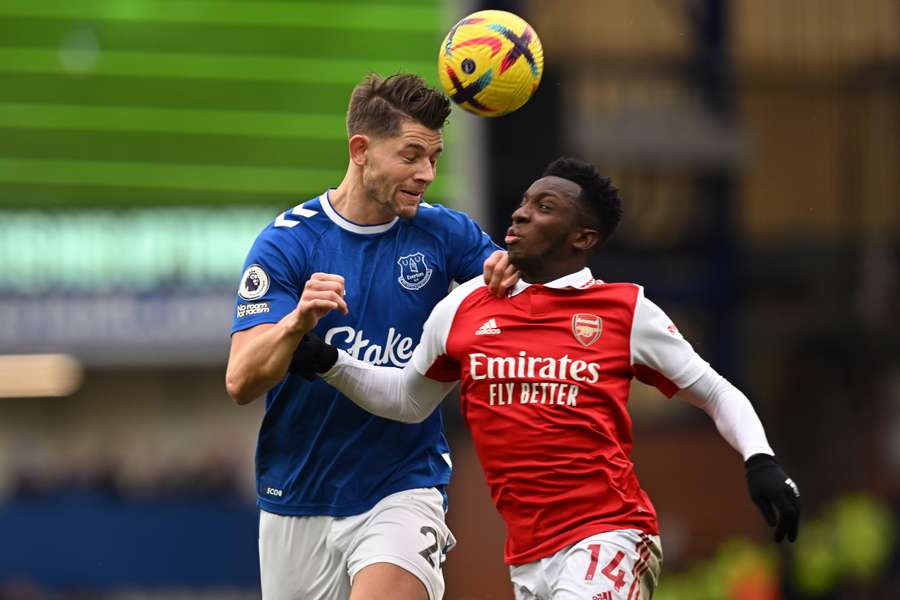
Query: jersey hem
x=338 y=510
x=556 y=544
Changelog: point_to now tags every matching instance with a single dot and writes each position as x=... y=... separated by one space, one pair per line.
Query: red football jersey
x=545 y=376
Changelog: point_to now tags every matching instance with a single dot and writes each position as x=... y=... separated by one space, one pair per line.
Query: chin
x=515 y=255
x=407 y=212
x=523 y=261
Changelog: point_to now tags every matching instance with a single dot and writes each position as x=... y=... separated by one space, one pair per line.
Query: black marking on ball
x=468 y=66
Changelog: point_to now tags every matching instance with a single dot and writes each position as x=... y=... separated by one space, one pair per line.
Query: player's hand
x=499 y=275
x=313 y=356
x=775 y=494
x=322 y=294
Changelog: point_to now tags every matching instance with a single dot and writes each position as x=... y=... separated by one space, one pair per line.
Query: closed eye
x=541 y=205
x=543 y=202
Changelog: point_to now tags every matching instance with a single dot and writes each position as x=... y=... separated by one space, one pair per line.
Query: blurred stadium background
x=144 y=143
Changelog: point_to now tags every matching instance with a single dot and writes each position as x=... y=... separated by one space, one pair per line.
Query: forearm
x=262 y=361
x=731 y=411
x=398 y=394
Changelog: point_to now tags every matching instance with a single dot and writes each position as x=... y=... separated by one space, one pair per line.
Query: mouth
x=411 y=196
x=512 y=237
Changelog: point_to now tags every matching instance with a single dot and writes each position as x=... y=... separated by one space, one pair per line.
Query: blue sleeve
x=271 y=283
x=469 y=247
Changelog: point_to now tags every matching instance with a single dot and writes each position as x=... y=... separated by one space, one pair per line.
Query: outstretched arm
x=776 y=495
x=663 y=357
x=399 y=394
x=731 y=411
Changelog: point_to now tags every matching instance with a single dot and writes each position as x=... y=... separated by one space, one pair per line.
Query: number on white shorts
x=434 y=550
x=617 y=576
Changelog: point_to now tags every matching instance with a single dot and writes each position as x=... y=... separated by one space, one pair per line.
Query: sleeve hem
x=245 y=326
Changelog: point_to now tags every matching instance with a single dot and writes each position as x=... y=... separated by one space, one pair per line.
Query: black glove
x=775 y=494
x=312 y=356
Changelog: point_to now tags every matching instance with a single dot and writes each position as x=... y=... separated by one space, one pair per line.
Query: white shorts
x=616 y=565
x=316 y=558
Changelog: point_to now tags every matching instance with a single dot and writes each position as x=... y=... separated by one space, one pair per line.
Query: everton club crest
x=414 y=273
x=587 y=328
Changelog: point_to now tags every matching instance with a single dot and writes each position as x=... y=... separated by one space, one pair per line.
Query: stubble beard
x=378 y=191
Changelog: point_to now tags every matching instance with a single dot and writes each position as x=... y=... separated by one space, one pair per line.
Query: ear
x=359 y=145
x=585 y=238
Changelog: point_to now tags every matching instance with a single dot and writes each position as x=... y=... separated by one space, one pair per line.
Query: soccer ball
x=491 y=62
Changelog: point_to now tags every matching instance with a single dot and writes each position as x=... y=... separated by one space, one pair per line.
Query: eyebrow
x=542 y=194
x=420 y=147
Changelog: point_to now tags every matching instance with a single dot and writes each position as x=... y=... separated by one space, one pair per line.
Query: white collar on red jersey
x=578 y=279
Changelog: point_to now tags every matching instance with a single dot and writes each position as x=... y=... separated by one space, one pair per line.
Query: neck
x=351 y=201
x=543 y=272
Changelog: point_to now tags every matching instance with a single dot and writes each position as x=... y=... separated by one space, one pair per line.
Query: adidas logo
x=489 y=328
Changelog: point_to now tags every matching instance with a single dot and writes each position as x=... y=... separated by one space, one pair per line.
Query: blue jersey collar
x=343 y=223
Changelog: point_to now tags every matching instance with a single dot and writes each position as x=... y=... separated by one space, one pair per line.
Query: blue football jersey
x=318 y=453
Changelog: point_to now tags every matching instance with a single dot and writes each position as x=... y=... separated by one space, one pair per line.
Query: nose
x=425 y=171
x=521 y=214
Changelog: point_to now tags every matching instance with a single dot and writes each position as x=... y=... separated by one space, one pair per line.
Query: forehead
x=416 y=134
x=555 y=186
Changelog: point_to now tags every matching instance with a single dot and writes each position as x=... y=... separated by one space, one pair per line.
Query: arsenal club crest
x=587 y=328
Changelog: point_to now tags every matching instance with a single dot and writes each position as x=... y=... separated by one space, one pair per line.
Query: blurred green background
x=132 y=102
x=234 y=109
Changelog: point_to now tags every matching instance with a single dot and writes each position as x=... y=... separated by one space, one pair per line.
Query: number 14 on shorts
x=610 y=571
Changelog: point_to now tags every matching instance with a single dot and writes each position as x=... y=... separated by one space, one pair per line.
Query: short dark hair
x=379 y=105
x=599 y=197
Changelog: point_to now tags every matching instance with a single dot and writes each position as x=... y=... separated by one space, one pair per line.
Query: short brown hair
x=379 y=105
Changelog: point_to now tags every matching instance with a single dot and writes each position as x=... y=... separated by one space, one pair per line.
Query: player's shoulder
x=287 y=238
x=472 y=288
x=437 y=218
x=630 y=297
x=625 y=292
x=306 y=219
x=617 y=287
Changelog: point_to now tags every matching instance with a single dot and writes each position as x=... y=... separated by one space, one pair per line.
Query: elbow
x=415 y=410
x=395 y=414
x=238 y=391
